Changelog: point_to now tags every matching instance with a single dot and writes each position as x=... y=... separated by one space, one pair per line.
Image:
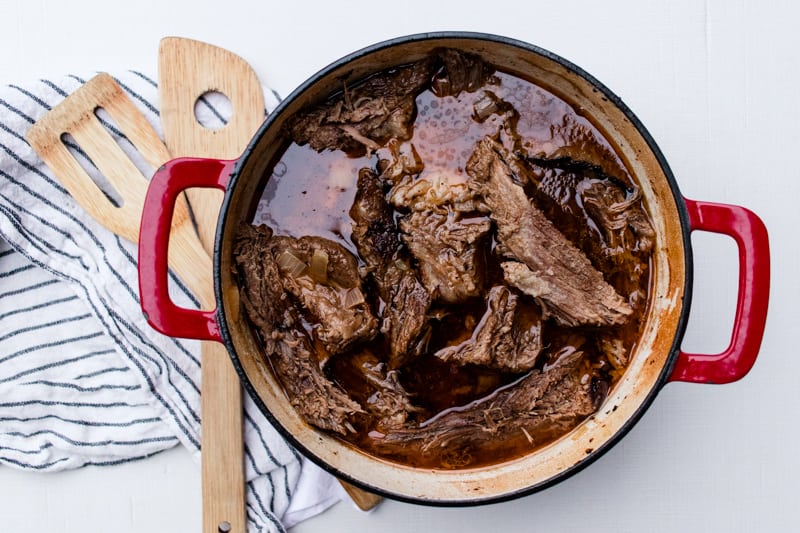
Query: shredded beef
x=476 y=319
x=546 y=403
x=382 y=108
x=401 y=164
x=446 y=234
x=449 y=251
x=407 y=300
x=460 y=71
x=365 y=116
x=342 y=319
x=389 y=401
x=439 y=194
x=508 y=337
x=549 y=268
x=318 y=400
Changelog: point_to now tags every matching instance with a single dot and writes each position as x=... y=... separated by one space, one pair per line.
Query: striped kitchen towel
x=83 y=379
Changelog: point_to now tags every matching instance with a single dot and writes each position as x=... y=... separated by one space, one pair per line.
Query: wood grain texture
x=76 y=115
x=363 y=499
x=188 y=69
x=222 y=441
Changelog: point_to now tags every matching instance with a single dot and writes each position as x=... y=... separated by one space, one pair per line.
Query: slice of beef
x=541 y=406
x=445 y=232
x=367 y=115
x=508 y=337
x=374 y=230
x=323 y=276
x=460 y=71
x=406 y=300
x=449 y=250
x=318 y=400
x=576 y=179
x=602 y=218
x=405 y=317
x=551 y=269
x=260 y=285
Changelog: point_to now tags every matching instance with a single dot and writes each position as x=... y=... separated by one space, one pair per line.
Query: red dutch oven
x=657 y=359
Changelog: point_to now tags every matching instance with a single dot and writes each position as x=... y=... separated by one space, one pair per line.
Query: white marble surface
x=716 y=84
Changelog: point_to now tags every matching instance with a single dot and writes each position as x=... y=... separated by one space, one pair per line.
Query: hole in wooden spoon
x=213 y=110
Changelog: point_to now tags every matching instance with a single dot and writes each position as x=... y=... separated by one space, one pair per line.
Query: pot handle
x=751 y=238
x=168 y=182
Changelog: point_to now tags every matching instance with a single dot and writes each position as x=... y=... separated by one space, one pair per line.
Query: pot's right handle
x=751 y=238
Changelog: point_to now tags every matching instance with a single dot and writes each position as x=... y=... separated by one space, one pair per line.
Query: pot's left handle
x=749 y=322
x=161 y=312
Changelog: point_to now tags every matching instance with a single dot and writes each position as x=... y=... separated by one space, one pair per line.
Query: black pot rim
x=685 y=230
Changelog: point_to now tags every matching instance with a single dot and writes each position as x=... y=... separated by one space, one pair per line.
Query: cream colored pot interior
x=641 y=380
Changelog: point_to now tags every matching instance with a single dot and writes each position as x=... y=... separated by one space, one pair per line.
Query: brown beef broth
x=310 y=193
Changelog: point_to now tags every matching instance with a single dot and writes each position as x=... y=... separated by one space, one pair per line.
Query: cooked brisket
x=368 y=115
x=508 y=337
x=549 y=268
x=542 y=403
x=407 y=300
x=332 y=294
x=460 y=71
x=318 y=400
x=449 y=251
x=390 y=401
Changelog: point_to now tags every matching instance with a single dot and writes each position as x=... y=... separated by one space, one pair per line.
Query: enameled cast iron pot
x=657 y=360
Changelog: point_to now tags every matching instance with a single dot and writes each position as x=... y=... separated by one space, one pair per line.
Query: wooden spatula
x=188 y=69
x=220 y=388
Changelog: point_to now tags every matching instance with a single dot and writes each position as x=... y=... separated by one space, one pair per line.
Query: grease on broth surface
x=310 y=193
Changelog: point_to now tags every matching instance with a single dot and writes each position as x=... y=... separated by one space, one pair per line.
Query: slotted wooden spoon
x=222 y=463
x=187 y=70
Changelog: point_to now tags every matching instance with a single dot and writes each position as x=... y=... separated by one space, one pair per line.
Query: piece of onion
x=319 y=266
x=485 y=107
x=290 y=265
x=353 y=297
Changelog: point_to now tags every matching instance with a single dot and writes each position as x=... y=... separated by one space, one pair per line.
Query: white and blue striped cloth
x=83 y=379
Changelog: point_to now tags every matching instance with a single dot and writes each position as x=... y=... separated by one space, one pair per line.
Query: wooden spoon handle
x=222 y=443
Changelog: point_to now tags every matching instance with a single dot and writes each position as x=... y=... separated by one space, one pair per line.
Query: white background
x=716 y=84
